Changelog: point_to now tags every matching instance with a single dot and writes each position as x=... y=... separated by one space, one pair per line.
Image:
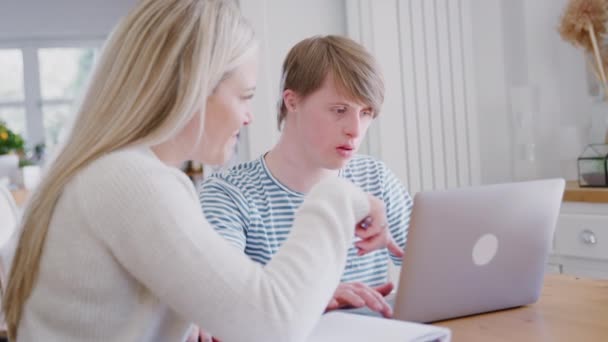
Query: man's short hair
x=354 y=69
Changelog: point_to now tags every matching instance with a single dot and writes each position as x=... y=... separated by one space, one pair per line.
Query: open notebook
x=339 y=326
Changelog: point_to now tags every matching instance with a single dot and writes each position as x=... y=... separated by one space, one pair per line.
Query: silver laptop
x=477 y=249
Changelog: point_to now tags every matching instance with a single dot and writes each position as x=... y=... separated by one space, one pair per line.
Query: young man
x=331 y=92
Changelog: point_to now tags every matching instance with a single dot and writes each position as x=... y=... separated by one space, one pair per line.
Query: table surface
x=570 y=309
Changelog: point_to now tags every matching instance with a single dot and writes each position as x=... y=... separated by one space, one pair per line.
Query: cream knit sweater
x=130 y=257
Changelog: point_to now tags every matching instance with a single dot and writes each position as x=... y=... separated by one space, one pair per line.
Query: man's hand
x=358 y=295
x=373 y=231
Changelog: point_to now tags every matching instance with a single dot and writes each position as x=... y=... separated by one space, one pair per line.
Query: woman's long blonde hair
x=156 y=71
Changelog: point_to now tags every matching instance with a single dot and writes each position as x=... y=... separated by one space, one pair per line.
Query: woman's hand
x=200 y=335
x=373 y=231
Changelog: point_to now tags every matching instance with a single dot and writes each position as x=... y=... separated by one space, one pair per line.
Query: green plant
x=25 y=162
x=9 y=140
x=33 y=156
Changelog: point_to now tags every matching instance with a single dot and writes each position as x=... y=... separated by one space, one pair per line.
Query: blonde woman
x=114 y=246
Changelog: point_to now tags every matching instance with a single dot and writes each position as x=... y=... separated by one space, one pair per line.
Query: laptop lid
x=478 y=249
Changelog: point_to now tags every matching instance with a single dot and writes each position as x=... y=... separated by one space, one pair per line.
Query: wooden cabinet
x=580 y=245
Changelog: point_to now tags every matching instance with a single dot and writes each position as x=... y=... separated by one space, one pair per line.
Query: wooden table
x=570 y=309
x=574 y=193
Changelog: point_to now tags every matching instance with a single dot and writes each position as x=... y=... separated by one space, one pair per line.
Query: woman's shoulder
x=126 y=169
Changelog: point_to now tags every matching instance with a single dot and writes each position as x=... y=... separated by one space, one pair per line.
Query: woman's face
x=228 y=109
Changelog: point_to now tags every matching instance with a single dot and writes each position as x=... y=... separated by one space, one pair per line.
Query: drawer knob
x=588 y=237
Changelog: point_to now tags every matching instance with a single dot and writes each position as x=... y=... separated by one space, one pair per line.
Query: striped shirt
x=255 y=212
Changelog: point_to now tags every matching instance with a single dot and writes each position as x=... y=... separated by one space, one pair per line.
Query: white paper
x=339 y=326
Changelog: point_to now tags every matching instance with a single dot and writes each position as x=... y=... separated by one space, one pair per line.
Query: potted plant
x=30 y=166
x=11 y=145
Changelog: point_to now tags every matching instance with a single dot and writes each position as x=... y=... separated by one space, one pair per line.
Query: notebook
x=338 y=326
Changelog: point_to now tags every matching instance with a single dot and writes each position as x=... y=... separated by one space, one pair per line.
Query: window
x=14 y=116
x=12 y=91
x=63 y=73
x=39 y=84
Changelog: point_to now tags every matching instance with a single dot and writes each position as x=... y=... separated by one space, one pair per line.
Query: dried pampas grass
x=582 y=17
x=584 y=24
x=604 y=56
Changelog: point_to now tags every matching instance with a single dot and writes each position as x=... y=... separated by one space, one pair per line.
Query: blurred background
x=478 y=91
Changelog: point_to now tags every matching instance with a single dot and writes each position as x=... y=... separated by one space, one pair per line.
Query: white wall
x=34 y=19
x=427 y=132
x=517 y=44
x=558 y=69
x=490 y=79
x=279 y=25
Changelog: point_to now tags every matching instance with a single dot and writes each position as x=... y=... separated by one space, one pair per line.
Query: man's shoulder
x=242 y=177
x=361 y=163
x=369 y=173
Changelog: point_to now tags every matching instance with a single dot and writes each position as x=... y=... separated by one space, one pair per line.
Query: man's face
x=327 y=124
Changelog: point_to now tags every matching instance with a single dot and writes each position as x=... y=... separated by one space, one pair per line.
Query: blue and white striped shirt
x=254 y=211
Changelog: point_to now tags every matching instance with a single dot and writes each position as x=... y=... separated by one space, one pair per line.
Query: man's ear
x=290 y=99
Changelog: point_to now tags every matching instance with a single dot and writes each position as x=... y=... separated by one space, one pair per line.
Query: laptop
x=475 y=250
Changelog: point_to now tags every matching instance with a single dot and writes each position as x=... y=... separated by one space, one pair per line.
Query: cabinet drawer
x=587 y=272
x=584 y=236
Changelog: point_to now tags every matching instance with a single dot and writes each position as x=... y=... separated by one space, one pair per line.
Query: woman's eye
x=340 y=110
x=247 y=97
x=367 y=113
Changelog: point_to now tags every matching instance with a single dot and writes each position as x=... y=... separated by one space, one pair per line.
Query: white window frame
x=33 y=101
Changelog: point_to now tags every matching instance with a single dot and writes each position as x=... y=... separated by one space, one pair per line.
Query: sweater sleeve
x=151 y=221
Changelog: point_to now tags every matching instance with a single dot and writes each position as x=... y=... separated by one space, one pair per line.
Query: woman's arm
x=152 y=222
